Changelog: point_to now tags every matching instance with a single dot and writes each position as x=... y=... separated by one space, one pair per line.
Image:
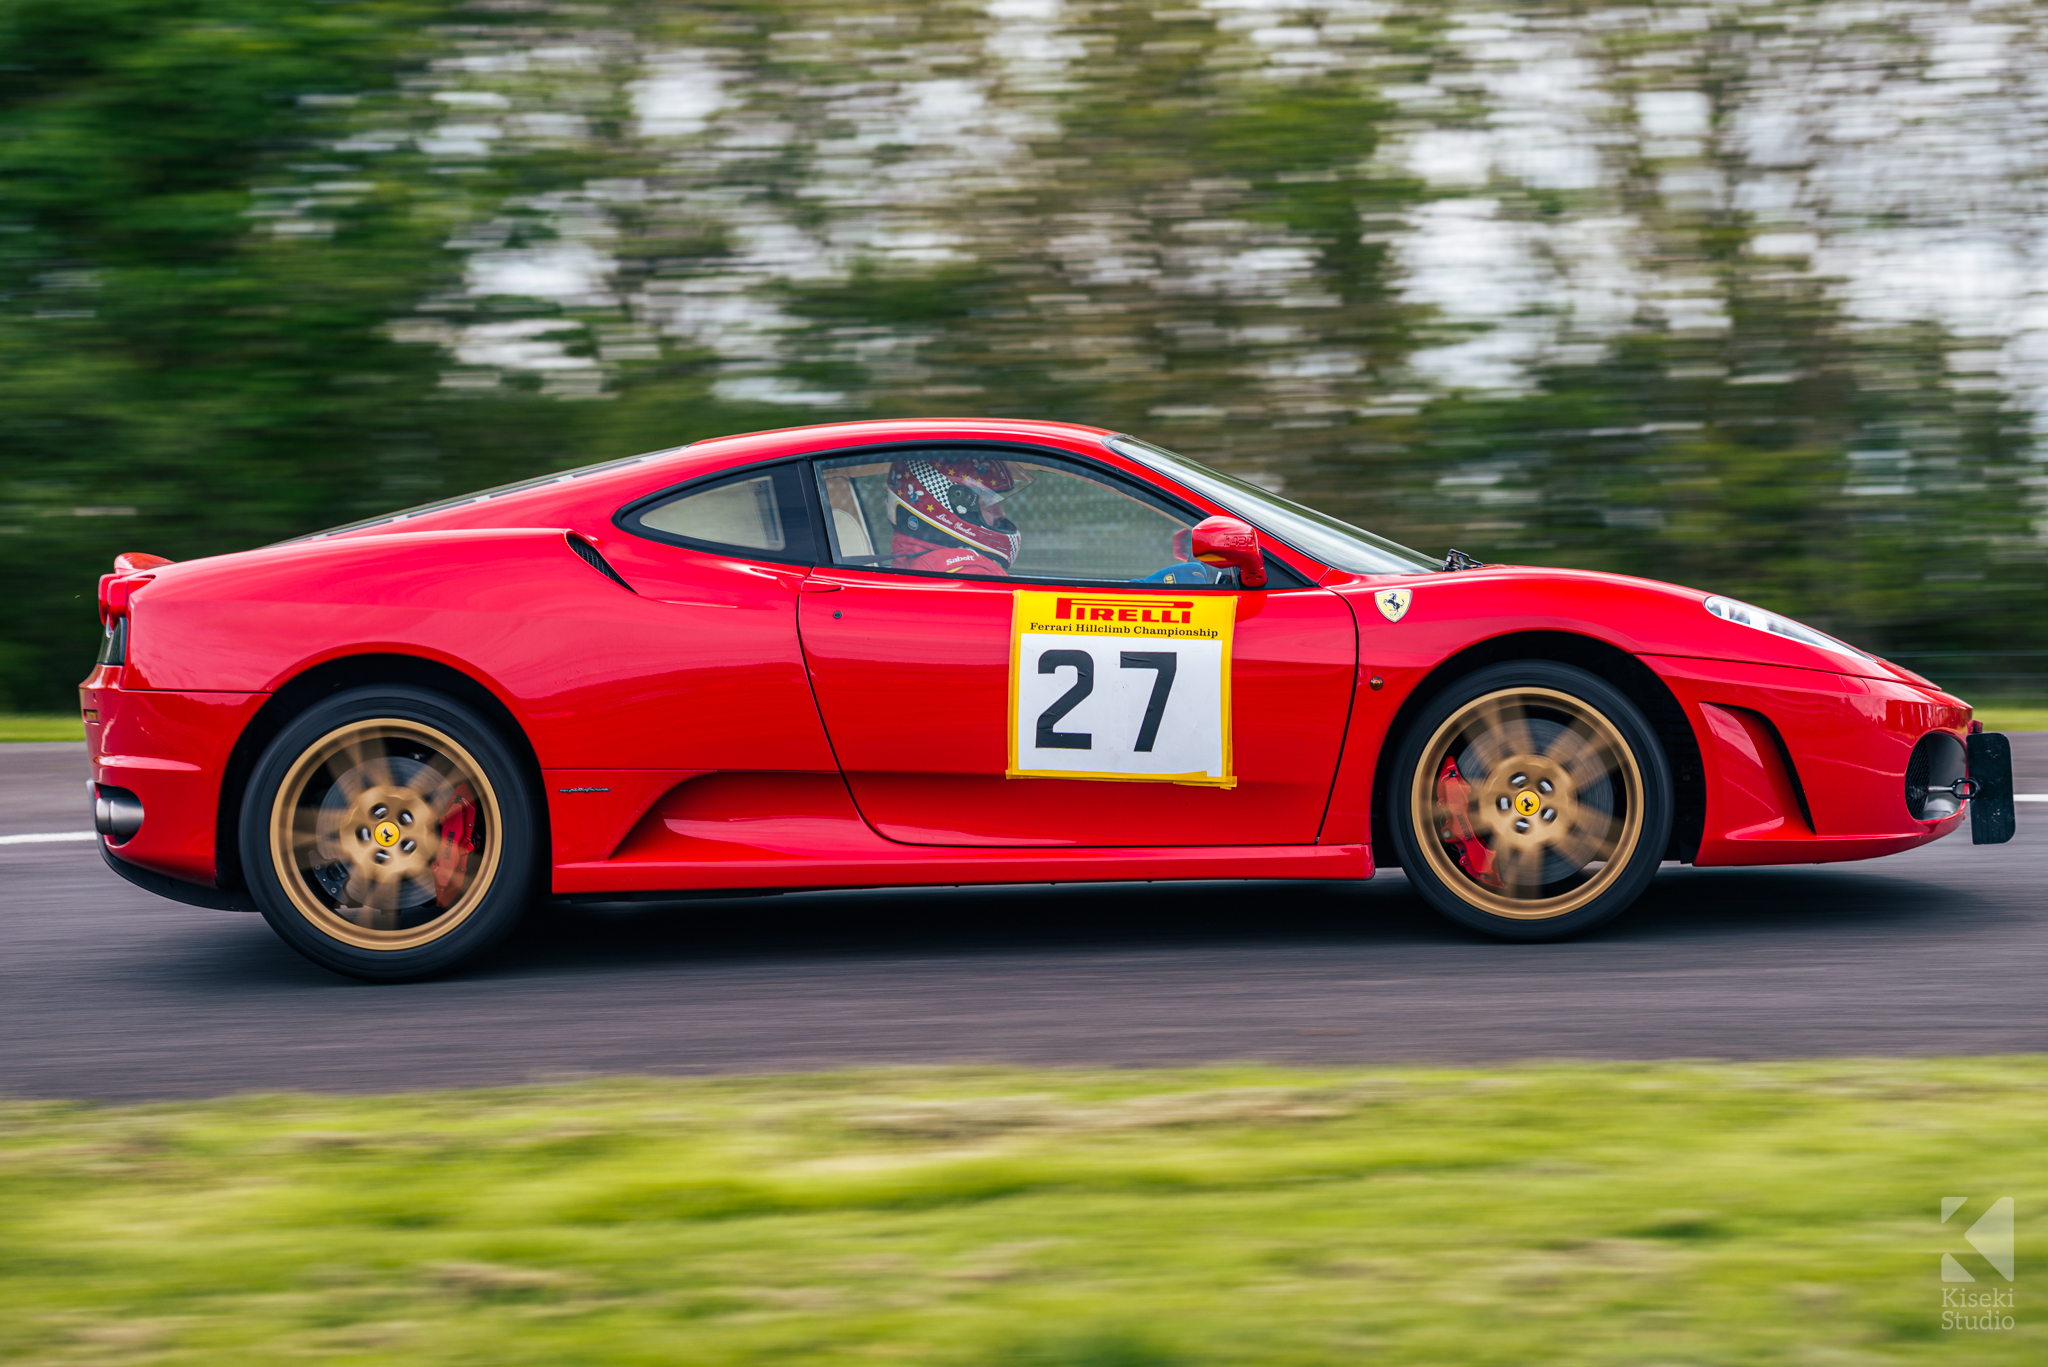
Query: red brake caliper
x=458 y=842
x=1454 y=795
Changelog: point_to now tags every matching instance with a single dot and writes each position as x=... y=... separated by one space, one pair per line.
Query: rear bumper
x=1803 y=766
x=177 y=889
x=170 y=750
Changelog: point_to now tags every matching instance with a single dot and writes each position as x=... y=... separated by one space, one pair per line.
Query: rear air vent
x=596 y=561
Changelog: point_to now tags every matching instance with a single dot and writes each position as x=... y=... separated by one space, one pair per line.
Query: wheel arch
x=1599 y=658
x=333 y=676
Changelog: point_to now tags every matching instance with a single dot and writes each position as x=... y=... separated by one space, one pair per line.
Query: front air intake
x=592 y=558
x=1936 y=765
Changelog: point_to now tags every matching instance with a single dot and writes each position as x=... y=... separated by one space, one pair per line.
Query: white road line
x=2030 y=797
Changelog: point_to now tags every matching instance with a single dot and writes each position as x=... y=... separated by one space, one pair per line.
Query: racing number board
x=1131 y=687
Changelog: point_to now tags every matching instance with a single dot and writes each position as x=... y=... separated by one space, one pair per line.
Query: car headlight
x=1729 y=610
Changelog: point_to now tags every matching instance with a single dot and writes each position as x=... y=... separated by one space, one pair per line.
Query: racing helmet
x=955 y=502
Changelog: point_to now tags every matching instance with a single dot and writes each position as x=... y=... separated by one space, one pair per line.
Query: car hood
x=1643 y=616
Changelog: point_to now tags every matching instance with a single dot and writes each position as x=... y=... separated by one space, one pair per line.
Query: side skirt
x=967 y=867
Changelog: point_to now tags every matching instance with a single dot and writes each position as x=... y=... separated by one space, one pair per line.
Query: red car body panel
x=913 y=678
x=716 y=726
x=171 y=750
x=1848 y=740
x=752 y=830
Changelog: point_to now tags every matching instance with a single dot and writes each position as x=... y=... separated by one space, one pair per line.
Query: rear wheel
x=388 y=834
x=1531 y=801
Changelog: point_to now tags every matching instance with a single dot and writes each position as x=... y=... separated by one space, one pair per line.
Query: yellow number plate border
x=1209 y=616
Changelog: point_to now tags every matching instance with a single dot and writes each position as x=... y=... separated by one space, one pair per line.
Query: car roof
x=545 y=497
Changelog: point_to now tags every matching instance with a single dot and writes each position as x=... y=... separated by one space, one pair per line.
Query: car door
x=1037 y=664
x=721 y=683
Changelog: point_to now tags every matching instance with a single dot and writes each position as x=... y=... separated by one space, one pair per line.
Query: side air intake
x=596 y=561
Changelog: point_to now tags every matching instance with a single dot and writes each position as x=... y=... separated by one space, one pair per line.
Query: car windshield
x=1337 y=544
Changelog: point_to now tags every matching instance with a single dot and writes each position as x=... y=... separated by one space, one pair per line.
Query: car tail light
x=130 y=573
x=115 y=590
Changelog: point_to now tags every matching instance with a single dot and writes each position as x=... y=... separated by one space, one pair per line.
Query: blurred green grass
x=18 y=726
x=1668 y=1213
x=2012 y=717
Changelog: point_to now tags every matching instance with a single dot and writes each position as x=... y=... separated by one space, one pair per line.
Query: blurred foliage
x=170 y=379
x=1759 y=1213
x=1677 y=290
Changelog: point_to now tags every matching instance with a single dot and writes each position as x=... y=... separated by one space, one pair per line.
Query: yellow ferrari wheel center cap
x=387 y=834
x=1526 y=803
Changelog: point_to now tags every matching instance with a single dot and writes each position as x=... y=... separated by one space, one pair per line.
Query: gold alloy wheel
x=1527 y=803
x=386 y=834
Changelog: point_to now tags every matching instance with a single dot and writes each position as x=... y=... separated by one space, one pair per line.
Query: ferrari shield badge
x=1393 y=603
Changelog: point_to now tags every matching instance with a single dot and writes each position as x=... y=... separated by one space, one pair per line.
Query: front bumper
x=1805 y=766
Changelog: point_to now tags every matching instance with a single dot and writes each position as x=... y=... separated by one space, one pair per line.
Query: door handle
x=818 y=586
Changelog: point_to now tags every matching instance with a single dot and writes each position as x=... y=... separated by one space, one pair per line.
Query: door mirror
x=1229 y=543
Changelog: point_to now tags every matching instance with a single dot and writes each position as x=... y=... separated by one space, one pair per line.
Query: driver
x=946 y=514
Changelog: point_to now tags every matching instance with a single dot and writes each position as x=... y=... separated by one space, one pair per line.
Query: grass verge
x=2000 y=716
x=17 y=726
x=1665 y=1213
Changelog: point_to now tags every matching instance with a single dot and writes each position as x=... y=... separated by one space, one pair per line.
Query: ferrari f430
x=960 y=652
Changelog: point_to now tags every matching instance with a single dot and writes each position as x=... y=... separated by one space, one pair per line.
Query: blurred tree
x=1189 y=242
x=173 y=377
x=1751 y=438
x=1549 y=282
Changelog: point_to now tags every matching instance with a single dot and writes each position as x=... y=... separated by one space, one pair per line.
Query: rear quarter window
x=757 y=514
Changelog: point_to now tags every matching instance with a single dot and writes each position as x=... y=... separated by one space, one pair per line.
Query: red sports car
x=952 y=652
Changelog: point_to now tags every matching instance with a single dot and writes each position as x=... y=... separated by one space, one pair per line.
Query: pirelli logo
x=1177 y=611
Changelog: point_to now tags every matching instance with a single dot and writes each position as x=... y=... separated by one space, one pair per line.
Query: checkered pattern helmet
x=954 y=501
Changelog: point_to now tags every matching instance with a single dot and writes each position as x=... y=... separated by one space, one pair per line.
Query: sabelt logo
x=1124 y=610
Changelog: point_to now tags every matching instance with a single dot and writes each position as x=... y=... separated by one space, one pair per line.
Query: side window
x=990 y=513
x=759 y=514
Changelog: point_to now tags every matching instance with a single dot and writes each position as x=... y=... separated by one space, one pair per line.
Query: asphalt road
x=109 y=993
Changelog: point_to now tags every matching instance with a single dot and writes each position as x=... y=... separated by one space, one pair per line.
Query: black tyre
x=1531 y=801
x=389 y=834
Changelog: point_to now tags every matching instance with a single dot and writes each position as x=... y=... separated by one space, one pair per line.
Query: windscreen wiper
x=1458 y=560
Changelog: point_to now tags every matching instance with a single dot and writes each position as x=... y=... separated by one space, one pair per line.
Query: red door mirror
x=1231 y=544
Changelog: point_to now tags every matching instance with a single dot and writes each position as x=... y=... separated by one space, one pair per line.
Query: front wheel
x=388 y=833
x=1531 y=801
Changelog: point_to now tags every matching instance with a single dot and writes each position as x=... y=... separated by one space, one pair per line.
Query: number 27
x=1163 y=662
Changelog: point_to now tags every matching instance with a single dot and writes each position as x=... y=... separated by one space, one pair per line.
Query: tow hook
x=1962 y=790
